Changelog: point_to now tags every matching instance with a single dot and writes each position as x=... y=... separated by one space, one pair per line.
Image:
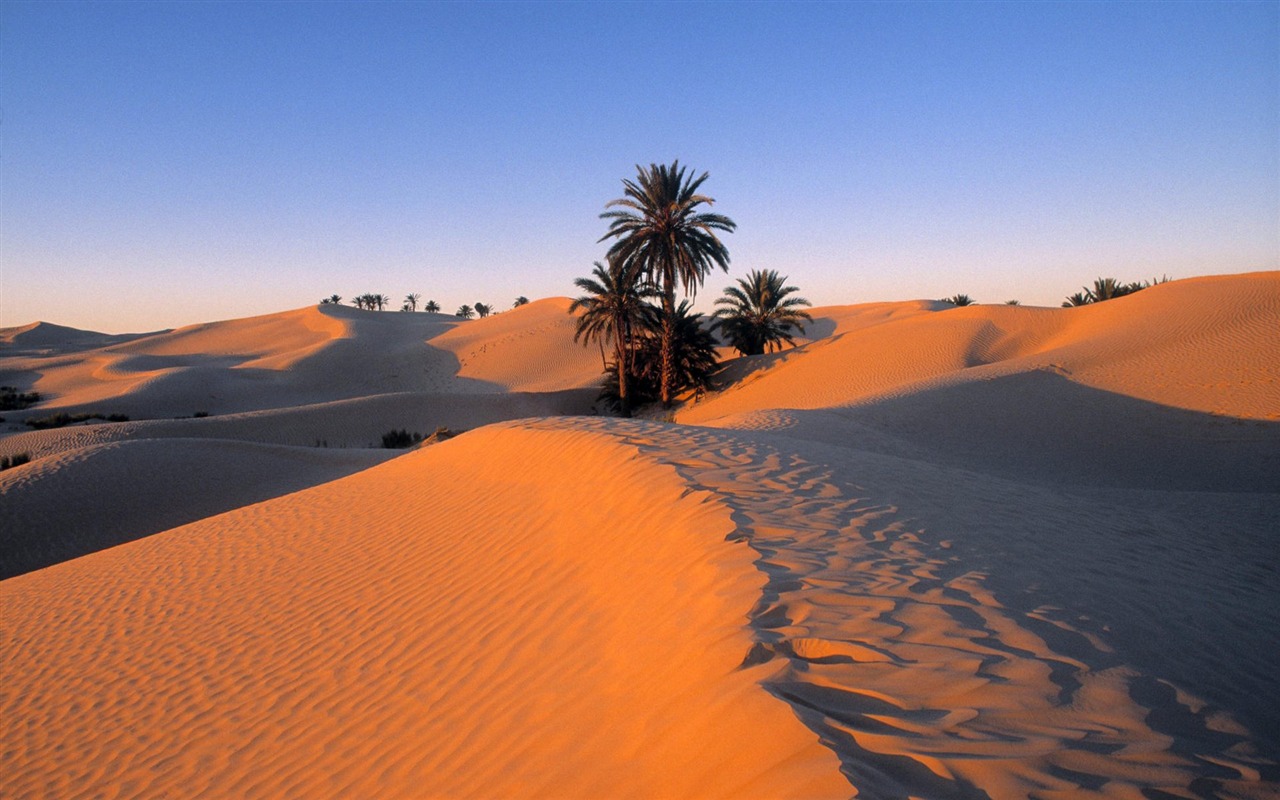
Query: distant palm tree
x=381 y=300
x=411 y=300
x=959 y=300
x=483 y=310
x=614 y=308
x=1013 y=302
x=661 y=235
x=465 y=311
x=1077 y=299
x=520 y=301
x=1109 y=289
x=431 y=307
x=757 y=315
x=358 y=302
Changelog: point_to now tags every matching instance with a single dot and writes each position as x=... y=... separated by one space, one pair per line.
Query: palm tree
x=756 y=315
x=661 y=236
x=1109 y=289
x=959 y=300
x=411 y=300
x=520 y=301
x=615 y=308
x=1013 y=302
x=465 y=311
x=1077 y=299
x=432 y=307
x=694 y=358
x=379 y=300
x=483 y=310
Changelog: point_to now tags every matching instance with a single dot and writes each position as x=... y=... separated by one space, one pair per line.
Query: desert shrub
x=18 y=459
x=13 y=400
x=62 y=419
x=400 y=439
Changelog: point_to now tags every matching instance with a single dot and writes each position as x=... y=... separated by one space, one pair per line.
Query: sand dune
x=81 y=501
x=1174 y=387
x=307 y=356
x=930 y=552
x=513 y=613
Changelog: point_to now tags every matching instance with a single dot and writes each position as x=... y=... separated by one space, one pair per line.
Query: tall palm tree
x=432 y=307
x=411 y=300
x=465 y=311
x=615 y=307
x=757 y=315
x=663 y=237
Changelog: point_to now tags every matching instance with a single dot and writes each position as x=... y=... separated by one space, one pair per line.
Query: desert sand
x=935 y=552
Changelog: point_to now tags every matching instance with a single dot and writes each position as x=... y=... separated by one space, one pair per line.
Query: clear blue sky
x=170 y=163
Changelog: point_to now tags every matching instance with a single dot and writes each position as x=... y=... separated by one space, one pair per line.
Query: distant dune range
x=931 y=551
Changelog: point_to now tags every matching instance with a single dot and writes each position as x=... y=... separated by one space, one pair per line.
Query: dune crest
x=540 y=613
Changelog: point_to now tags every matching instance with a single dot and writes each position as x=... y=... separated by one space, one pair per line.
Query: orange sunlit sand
x=928 y=552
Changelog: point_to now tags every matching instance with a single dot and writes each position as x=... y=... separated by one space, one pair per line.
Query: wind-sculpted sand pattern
x=916 y=675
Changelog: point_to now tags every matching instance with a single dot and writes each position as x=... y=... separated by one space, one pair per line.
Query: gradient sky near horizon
x=163 y=164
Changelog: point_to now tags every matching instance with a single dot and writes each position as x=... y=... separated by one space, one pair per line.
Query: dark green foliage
x=694 y=362
x=1109 y=289
x=757 y=315
x=614 y=308
x=18 y=459
x=62 y=419
x=465 y=311
x=662 y=238
x=959 y=300
x=483 y=310
x=13 y=400
x=371 y=302
x=398 y=440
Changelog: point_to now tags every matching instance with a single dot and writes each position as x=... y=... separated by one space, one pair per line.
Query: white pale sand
x=931 y=552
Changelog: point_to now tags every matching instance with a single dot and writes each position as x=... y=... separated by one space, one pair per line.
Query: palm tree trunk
x=624 y=402
x=668 y=341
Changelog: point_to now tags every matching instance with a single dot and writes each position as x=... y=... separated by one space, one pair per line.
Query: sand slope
x=307 y=356
x=84 y=500
x=1177 y=386
x=510 y=614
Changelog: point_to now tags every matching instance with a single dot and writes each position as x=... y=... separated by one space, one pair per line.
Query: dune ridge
x=530 y=626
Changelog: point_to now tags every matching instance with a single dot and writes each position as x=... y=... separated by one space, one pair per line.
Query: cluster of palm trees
x=377 y=302
x=1109 y=289
x=480 y=310
x=663 y=238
